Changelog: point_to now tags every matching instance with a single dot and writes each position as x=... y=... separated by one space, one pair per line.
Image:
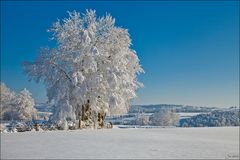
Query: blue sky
x=189 y=50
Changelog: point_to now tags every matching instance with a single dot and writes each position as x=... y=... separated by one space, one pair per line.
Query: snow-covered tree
x=93 y=65
x=16 y=106
x=165 y=118
x=7 y=102
x=25 y=106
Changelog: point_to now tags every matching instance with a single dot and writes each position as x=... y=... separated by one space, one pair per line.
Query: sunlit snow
x=173 y=143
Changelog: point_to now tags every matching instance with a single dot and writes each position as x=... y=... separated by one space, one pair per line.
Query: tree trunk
x=90 y=119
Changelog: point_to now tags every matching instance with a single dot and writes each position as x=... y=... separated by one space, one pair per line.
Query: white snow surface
x=157 y=143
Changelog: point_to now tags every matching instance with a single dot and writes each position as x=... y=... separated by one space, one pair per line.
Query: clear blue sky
x=189 y=50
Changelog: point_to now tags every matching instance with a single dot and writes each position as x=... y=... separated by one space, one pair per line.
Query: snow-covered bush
x=23 y=126
x=93 y=63
x=2 y=128
x=165 y=118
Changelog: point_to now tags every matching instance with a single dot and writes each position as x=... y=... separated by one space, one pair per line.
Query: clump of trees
x=17 y=106
x=164 y=117
x=213 y=119
x=92 y=65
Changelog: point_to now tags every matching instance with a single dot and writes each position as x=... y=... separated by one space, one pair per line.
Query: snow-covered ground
x=174 y=143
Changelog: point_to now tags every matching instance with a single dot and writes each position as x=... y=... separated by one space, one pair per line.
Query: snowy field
x=158 y=143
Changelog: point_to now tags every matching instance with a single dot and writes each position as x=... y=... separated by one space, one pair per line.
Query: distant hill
x=152 y=108
x=178 y=108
